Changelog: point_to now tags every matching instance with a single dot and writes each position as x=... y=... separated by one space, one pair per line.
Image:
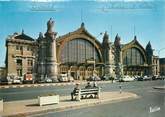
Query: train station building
x=78 y=54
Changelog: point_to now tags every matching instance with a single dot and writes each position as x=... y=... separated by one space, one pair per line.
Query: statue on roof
x=40 y=35
x=117 y=41
x=22 y=31
x=106 y=38
x=50 y=25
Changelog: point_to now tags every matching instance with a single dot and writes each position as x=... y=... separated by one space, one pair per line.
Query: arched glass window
x=133 y=56
x=79 y=51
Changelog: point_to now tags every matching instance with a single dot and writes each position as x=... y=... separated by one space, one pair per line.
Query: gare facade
x=134 y=59
x=79 y=54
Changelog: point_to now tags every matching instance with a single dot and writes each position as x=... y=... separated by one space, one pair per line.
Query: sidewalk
x=30 y=107
x=48 y=84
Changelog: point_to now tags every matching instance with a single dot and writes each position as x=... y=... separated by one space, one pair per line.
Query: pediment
x=133 y=43
x=79 y=33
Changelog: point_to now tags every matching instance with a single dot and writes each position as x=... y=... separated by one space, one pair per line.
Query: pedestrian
x=74 y=90
x=95 y=85
x=120 y=88
x=88 y=85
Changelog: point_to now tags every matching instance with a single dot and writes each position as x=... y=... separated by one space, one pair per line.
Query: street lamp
x=160 y=51
x=159 y=55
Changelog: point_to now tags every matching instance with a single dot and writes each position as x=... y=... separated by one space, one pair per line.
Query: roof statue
x=117 y=40
x=135 y=38
x=50 y=25
x=40 y=35
x=82 y=25
x=106 y=37
x=149 y=46
x=22 y=31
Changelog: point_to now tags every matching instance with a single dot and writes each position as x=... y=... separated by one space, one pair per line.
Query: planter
x=48 y=99
x=1 y=105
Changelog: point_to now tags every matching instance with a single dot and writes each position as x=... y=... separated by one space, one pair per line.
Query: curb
x=47 y=84
x=161 y=88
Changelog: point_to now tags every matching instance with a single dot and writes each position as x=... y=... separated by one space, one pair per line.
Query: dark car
x=154 y=77
x=94 y=78
x=104 y=78
x=161 y=78
x=140 y=78
x=3 y=81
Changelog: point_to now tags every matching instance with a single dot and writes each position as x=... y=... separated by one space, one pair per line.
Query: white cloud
x=49 y=0
x=122 y=0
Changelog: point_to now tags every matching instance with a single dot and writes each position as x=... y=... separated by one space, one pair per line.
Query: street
x=12 y=94
x=150 y=104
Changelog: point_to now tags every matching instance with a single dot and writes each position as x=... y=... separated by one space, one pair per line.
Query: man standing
x=74 y=90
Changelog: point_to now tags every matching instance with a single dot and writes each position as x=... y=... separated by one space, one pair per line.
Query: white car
x=16 y=81
x=48 y=80
x=70 y=79
x=63 y=78
x=147 y=78
x=127 y=79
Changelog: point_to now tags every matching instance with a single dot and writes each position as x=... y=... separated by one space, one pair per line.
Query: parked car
x=65 y=78
x=147 y=77
x=70 y=79
x=28 y=78
x=127 y=79
x=48 y=80
x=140 y=78
x=94 y=78
x=161 y=78
x=3 y=81
x=155 y=77
x=16 y=81
x=105 y=77
x=136 y=77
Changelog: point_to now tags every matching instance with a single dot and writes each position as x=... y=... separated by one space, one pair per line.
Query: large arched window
x=133 y=56
x=79 y=51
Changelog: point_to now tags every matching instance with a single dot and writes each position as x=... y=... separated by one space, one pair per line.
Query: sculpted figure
x=50 y=25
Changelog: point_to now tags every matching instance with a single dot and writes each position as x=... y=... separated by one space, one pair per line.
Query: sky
x=145 y=19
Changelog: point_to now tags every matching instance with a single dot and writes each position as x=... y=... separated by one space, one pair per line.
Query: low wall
x=45 y=100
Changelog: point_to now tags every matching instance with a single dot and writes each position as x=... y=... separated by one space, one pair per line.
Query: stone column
x=41 y=63
x=51 y=59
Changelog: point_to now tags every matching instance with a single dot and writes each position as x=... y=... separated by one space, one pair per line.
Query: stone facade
x=20 y=54
x=162 y=66
x=47 y=60
x=108 y=56
x=156 y=66
x=78 y=54
x=2 y=72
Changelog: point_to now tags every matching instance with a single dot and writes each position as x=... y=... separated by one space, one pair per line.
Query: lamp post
x=160 y=51
x=159 y=55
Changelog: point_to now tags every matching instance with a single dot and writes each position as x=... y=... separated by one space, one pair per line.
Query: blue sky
x=147 y=18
